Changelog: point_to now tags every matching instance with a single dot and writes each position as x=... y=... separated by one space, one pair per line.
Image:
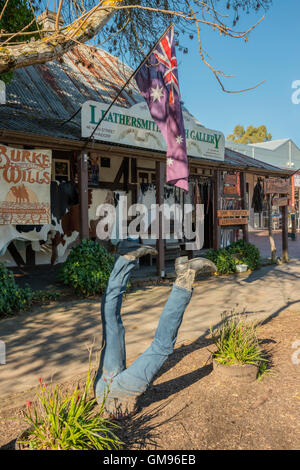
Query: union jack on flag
x=166 y=58
x=158 y=82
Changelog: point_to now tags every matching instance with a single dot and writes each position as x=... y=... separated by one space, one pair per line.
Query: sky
x=271 y=54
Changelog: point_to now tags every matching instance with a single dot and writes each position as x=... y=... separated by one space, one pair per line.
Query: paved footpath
x=54 y=340
x=260 y=238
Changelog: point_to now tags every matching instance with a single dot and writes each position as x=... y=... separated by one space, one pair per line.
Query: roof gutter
x=21 y=138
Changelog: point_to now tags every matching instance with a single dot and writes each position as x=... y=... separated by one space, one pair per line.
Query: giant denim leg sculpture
x=127 y=384
x=113 y=354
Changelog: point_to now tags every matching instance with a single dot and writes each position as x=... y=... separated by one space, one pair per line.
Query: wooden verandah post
x=83 y=196
x=285 y=251
x=216 y=207
x=160 y=243
x=244 y=203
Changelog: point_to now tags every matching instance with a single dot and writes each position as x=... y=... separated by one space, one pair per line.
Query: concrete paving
x=53 y=341
x=260 y=238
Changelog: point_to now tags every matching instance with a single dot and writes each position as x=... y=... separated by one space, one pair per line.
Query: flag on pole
x=157 y=80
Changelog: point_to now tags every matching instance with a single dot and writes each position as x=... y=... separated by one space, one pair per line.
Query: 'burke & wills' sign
x=25 y=177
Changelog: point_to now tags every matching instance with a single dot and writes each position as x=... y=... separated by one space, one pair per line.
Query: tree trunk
x=270 y=228
x=56 y=44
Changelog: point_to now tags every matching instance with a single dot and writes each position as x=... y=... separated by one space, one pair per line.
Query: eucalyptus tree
x=126 y=26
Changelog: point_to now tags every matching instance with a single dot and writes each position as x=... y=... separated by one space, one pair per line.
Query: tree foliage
x=16 y=15
x=125 y=27
x=251 y=135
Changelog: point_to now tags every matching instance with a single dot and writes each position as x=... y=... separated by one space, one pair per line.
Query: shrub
x=236 y=341
x=67 y=421
x=17 y=299
x=87 y=268
x=246 y=253
x=12 y=297
x=238 y=252
x=223 y=260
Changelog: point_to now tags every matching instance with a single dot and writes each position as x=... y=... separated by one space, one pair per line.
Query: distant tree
x=251 y=135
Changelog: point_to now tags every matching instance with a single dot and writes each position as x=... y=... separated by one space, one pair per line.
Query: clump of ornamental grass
x=67 y=421
x=236 y=341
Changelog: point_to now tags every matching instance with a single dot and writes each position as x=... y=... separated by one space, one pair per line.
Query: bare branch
x=128 y=24
x=58 y=15
x=4 y=8
x=55 y=45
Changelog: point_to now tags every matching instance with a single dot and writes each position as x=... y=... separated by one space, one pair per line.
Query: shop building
x=57 y=106
x=285 y=154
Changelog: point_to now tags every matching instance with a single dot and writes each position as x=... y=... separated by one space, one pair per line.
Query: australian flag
x=158 y=82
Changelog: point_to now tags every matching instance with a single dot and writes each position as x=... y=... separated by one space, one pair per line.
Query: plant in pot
x=238 y=354
x=67 y=421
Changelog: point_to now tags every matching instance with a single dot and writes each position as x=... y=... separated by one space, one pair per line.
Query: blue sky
x=272 y=54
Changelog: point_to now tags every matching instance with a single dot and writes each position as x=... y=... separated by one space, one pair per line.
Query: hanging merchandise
x=258 y=197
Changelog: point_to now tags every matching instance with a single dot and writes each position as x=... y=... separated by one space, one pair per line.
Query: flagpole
x=126 y=84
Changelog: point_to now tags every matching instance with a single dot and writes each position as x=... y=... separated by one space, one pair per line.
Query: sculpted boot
x=186 y=270
x=141 y=250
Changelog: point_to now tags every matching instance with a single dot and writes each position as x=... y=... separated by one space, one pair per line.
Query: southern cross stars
x=170 y=161
x=179 y=139
x=157 y=93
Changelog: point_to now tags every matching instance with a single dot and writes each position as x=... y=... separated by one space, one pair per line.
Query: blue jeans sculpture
x=126 y=384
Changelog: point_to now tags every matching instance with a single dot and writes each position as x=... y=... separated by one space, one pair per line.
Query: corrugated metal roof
x=271 y=144
x=239 y=159
x=41 y=98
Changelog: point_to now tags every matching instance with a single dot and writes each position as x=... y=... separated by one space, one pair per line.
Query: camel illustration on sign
x=20 y=194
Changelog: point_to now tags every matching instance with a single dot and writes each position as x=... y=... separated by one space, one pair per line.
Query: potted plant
x=238 y=355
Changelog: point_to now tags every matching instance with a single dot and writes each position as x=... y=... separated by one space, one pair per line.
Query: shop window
x=105 y=162
x=143 y=177
x=146 y=177
x=60 y=170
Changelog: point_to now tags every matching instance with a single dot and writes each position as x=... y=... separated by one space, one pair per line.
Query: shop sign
x=230 y=179
x=297 y=181
x=135 y=127
x=232 y=217
x=280 y=201
x=229 y=190
x=276 y=186
x=25 y=177
x=234 y=221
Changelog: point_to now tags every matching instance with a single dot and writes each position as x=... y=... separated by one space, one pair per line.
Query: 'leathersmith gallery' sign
x=25 y=177
x=134 y=126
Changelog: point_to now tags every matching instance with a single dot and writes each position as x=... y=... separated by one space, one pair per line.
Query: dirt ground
x=188 y=408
